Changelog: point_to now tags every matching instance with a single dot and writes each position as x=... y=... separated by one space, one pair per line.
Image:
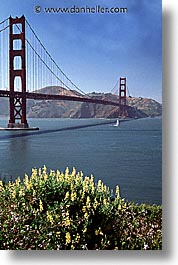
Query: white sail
x=117 y=123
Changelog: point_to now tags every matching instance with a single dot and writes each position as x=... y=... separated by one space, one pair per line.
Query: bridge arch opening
x=18 y=83
x=16 y=28
x=17 y=63
x=17 y=44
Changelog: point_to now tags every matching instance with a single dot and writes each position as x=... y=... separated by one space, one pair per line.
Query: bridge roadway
x=39 y=96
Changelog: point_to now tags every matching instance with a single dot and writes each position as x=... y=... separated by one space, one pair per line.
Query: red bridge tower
x=17 y=102
x=122 y=97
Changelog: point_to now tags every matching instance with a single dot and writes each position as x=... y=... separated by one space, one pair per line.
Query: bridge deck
x=38 y=96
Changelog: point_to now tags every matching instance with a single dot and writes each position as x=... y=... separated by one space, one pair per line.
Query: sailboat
x=117 y=123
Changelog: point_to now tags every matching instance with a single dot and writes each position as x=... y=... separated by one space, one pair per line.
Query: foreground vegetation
x=69 y=211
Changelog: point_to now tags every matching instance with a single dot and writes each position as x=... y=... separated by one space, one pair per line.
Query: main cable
x=54 y=63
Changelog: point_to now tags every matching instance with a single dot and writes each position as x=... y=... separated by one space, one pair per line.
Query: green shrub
x=69 y=211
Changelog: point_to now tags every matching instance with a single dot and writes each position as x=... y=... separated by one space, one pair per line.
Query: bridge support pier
x=17 y=49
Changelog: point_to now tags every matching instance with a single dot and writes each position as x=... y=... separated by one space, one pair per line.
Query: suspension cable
x=45 y=63
x=4 y=28
x=39 y=57
x=55 y=63
x=4 y=21
x=128 y=91
x=113 y=89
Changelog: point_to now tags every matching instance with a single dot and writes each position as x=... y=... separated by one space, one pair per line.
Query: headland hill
x=137 y=107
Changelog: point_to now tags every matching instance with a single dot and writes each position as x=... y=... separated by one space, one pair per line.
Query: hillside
x=137 y=107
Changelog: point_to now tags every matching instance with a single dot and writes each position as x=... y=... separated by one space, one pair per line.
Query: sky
x=95 y=50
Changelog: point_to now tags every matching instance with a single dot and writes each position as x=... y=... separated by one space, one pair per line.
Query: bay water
x=129 y=155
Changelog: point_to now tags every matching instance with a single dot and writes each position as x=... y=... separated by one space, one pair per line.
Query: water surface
x=129 y=155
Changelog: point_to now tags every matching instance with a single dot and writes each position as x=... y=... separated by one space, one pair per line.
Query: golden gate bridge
x=26 y=67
